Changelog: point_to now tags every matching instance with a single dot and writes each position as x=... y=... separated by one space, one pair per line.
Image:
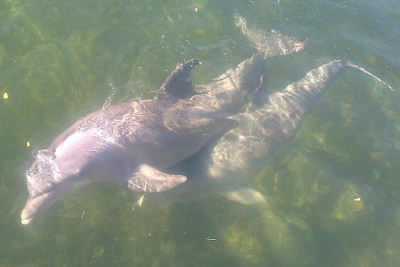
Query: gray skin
x=138 y=145
x=270 y=120
x=132 y=143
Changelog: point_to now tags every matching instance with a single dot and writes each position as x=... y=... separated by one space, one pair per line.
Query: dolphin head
x=75 y=162
x=47 y=181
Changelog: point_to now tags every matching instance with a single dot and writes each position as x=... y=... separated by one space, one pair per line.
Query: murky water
x=333 y=191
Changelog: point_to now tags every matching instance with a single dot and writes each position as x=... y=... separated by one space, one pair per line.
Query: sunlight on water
x=332 y=192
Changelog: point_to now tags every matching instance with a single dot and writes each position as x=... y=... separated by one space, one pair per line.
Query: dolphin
x=161 y=146
x=269 y=121
x=131 y=144
x=134 y=144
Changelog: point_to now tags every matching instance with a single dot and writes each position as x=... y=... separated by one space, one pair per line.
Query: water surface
x=333 y=190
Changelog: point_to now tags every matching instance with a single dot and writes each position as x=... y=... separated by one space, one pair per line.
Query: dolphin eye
x=81 y=172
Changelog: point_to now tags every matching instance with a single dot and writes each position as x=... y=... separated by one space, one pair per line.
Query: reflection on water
x=332 y=191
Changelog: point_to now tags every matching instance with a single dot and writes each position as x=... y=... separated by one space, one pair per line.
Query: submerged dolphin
x=132 y=143
x=135 y=145
x=270 y=120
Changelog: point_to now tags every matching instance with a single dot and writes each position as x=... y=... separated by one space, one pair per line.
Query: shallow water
x=333 y=191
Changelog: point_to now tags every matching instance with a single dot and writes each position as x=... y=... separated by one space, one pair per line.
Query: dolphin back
x=269 y=121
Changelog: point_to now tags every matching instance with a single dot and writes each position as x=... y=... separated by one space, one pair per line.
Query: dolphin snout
x=26 y=218
x=34 y=205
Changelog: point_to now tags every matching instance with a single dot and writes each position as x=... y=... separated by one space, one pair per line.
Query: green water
x=334 y=189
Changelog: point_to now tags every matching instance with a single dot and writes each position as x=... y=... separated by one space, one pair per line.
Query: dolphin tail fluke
x=272 y=43
x=269 y=44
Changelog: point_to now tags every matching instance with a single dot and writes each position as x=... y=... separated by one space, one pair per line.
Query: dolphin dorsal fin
x=178 y=83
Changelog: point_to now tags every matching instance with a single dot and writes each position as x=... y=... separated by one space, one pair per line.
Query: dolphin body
x=269 y=121
x=142 y=146
x=132 y=143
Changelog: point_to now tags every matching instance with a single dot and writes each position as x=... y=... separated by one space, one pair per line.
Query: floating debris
x=83 y=214
x=28 y=144
x=196 y=10
x=140 y=201
x=5 y=96
x=211 y=239
x=357 y=199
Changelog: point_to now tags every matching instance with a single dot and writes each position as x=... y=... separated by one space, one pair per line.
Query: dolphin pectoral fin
x=150 y=180
x=178 y=83
x=244 y=196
